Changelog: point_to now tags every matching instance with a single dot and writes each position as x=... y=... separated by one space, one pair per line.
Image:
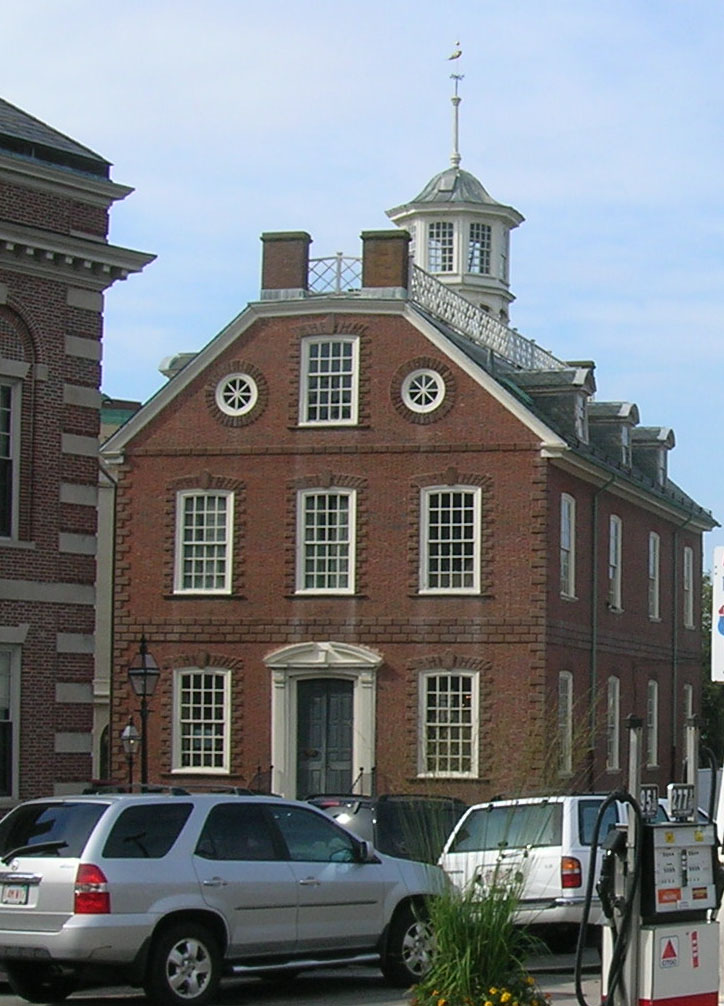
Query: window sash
x=201 y=720
x=565 y=722
x=613 y=724
x=9 y=412
x=330 y=369
x=450 y=551
x=688 y=587
x=652 y=723
x=326 y=536
x=568 y=542
x=204 y=522
x=449 y=724
x=654 y=575
x=440 y=246
x=479 y=247
x=614 y=562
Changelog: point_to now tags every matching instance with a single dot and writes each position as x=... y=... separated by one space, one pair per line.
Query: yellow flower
x=488 y=1003
x=505 y=997
x=493 y=991
x=441 y=1002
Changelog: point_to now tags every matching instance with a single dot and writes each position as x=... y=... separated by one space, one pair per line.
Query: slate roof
x=25 y=136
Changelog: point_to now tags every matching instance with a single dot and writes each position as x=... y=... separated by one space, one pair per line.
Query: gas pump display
x=677 y=870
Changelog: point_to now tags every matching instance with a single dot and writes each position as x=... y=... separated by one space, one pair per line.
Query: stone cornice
x=61 y=181
x=93 y=265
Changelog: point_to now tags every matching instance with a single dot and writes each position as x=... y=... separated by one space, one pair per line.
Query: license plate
x=14 y=894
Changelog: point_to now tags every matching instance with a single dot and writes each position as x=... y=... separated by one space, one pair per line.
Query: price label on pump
x=681 y=800
x=649 y=801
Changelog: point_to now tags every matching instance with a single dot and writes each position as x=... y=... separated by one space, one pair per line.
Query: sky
x=601 y=121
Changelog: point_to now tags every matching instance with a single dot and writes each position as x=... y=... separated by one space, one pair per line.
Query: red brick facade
x=54 y=266
x=512 y=635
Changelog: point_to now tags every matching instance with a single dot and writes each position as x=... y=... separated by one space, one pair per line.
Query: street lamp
x=130 y=738
x=143 y=675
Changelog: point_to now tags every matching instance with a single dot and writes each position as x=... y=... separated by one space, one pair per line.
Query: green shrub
x=479 y=953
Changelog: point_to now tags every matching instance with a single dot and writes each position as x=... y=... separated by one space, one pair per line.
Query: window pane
x=6 y=461
x=440 y=247
x=327 y=541
x=236 y=831
x=479 y=248
x=147 y=832
x=330 y=381
x=202 y=720
x=452 y=540
x=448 y=738
x=204 y=542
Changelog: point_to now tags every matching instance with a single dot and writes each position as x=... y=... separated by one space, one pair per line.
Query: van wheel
x=410 y=945
x=184 y=966
x=40 y=984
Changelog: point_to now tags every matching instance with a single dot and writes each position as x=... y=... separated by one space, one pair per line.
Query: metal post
x=628 y=990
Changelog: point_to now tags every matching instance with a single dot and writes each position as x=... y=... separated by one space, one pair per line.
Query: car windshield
x=516 y=826
x=58 y=829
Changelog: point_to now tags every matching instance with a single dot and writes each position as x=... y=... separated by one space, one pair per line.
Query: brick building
x=55 y=263
x=375 y=537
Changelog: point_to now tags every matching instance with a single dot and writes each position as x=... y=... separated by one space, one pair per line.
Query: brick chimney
x=285 y=265
x=385 y=262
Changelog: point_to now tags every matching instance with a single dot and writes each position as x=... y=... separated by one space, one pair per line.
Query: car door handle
x=214 y=882
x=310 y=882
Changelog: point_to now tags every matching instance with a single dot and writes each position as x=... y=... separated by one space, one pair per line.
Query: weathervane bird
x=457 y=53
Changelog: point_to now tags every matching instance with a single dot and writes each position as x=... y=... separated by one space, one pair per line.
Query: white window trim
x=568 y=515
x=652 y=724
x=424 y=539
x=178 y=675
x=613 y=724
x=654 y=576
x=15 y=450
x=688 y=587
x=615 y=549
x=565 y=723
x=181 y=496
x=454 y=248
x=302 y=495
x=435 y=379
x=688 y=702
x=353 y=420
x=15 y=653
x=474 y=679
x=242 y=410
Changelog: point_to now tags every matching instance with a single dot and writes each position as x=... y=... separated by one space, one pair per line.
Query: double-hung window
x=613 y=724
x=440 y=246
x=654 y=575
x=326 y=541
x=688 y=586
x=329 y=381
x=201 y=720
x=451 y=540
x=449 y=724
x=652 y=723
x=204 y=522
x=565 y=722
x=9 y=417
x=479 y=248
x=614 y=562
x=9 y=713
x=568 y=546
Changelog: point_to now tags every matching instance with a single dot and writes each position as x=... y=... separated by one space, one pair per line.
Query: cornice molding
x=61 y=181
x=93 y=265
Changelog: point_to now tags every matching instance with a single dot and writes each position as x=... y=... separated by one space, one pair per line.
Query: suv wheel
x=40 y=984
x=408 y=955
x=184 y=966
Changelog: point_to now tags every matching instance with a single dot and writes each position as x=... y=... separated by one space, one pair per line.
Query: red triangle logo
x=669 y=951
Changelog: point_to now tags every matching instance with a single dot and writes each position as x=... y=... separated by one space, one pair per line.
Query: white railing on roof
x=477 y=325
x=337 y=274
x=342 y=274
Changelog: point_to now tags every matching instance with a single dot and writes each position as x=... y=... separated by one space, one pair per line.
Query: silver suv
x=170 y=892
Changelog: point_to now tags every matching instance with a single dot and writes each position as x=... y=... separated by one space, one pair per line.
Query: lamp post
x=143 y=675
x=130 y=738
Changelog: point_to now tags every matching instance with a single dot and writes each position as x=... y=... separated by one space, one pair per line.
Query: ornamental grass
x=479 y=953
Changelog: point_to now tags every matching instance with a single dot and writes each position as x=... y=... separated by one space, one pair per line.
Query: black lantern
x=130 y=739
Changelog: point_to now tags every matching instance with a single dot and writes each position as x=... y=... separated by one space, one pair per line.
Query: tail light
x=571 y=874
x=91 y=891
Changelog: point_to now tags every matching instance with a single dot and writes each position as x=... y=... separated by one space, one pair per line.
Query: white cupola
x=460 y=234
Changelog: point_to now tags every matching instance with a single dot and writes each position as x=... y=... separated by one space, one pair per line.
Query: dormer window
x=479 y=248
x=440 y=246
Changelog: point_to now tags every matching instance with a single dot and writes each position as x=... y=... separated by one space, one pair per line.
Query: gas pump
x=660 y=889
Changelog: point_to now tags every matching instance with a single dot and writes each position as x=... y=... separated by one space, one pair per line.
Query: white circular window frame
x=253 y=394
x=436 y=379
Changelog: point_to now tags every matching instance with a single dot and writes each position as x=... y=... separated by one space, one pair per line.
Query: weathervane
x=457 y=77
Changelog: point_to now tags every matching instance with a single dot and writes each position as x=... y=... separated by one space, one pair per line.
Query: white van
x=541 y=845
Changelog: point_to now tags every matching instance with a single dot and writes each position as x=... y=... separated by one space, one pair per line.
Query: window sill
x=206 y=595
x=654 y=618
x=614 y=609
x=568 y=597
x=16 y=543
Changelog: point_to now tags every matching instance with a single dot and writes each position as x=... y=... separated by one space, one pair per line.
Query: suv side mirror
x=367 y=852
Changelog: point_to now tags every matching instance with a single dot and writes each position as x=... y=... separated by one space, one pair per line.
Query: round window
x=423 y=390
x=236 y=394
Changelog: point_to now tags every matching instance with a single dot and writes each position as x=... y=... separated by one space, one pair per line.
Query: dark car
x=406 y=826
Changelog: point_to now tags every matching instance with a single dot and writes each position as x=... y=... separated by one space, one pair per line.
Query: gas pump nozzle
x=614 y=847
